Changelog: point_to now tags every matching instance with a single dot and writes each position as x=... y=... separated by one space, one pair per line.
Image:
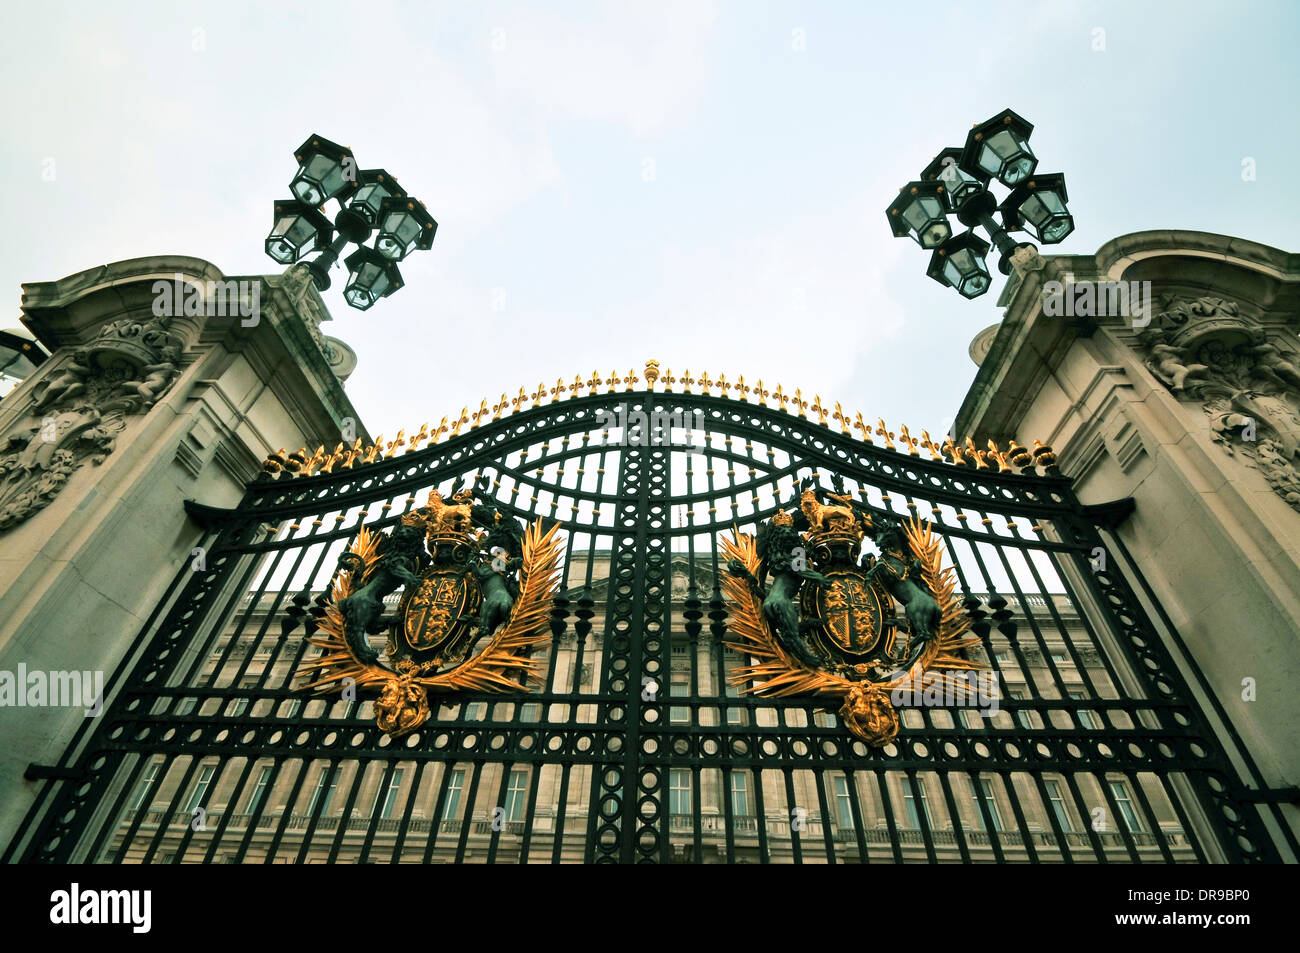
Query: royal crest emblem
x=469 y=573
x=818 y=616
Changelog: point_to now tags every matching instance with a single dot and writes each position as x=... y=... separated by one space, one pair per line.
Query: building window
x=325 y=785
x=985 y=795
x=1024 y=718
x=1059 y=656
x=1058 y=805
x=911 y=796
x=739 y=795
x=147 y=782
x=531 y=711
x=679 y=791
x=735 y=714
x=1086 y=718
x=1119 y=791
x=516 y=789
x=680 y=715
x=259 y=791
x=455 y=784
x=388 y=799
x=293 y=708
x=843 y=806
x=200 y=789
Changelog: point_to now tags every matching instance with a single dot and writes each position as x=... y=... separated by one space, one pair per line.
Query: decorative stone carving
x=297 y=283
x=1205 y=350
x=78 y=414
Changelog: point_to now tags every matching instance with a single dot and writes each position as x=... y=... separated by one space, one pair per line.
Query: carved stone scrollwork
x=1248 y=383
x=77 y=416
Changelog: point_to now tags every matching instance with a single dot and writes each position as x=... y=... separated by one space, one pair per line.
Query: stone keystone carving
x=1206 y=351
x=79 y=412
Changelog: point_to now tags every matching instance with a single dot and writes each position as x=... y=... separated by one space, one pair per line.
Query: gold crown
x=782 y=518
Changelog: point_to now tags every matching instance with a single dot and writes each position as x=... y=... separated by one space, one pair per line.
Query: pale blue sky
x=759 y=247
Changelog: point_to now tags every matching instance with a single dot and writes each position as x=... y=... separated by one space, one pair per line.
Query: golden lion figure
x=823 y=517
x=867 y=713
x=401 y=706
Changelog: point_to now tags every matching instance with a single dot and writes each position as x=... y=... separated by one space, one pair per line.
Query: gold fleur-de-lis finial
x=977 y=454
x=741 y=390
x=332 y=459
x=864 y=428
x=460 y=421
x=687 y=380
x=631 y=379
x=593 y=382
x=799 y=402
x=558 y=389
x=952 y=450
x=538 y=395
x=723 y=386
x=818 y=409
x=519 y=400
x=500 y=406
x=483 y=411
x=936 y=452
x=1004 y=466
x=576 y=385
x=315 y=460
x=611 y=382
x=761 y=393
x=437 y=434
x=668 y=379
x=781 y=398
x=908 y=439
x=705 y=383
x=883 y=431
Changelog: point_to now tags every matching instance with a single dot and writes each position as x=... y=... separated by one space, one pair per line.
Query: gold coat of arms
x=817 y=616
x=469 y=573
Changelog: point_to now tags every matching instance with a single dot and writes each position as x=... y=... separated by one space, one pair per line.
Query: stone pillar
x=1192 y=408
x=166 y=381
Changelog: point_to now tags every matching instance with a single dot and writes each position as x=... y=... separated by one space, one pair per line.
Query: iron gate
x=635 y=748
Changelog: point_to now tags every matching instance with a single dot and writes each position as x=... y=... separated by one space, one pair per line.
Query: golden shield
x=438 y=614
x=852 y=611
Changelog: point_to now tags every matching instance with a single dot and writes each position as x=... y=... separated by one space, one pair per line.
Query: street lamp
x=369 y=200
x=956 y=182
x=919 y=212
x=959 y=263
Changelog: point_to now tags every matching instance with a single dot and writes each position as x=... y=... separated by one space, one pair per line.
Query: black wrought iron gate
x=635 y=748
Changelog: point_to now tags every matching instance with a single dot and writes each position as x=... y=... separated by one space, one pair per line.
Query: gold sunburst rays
x=774 y=673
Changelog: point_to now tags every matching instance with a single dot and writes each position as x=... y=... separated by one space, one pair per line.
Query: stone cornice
x=1029 y=346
